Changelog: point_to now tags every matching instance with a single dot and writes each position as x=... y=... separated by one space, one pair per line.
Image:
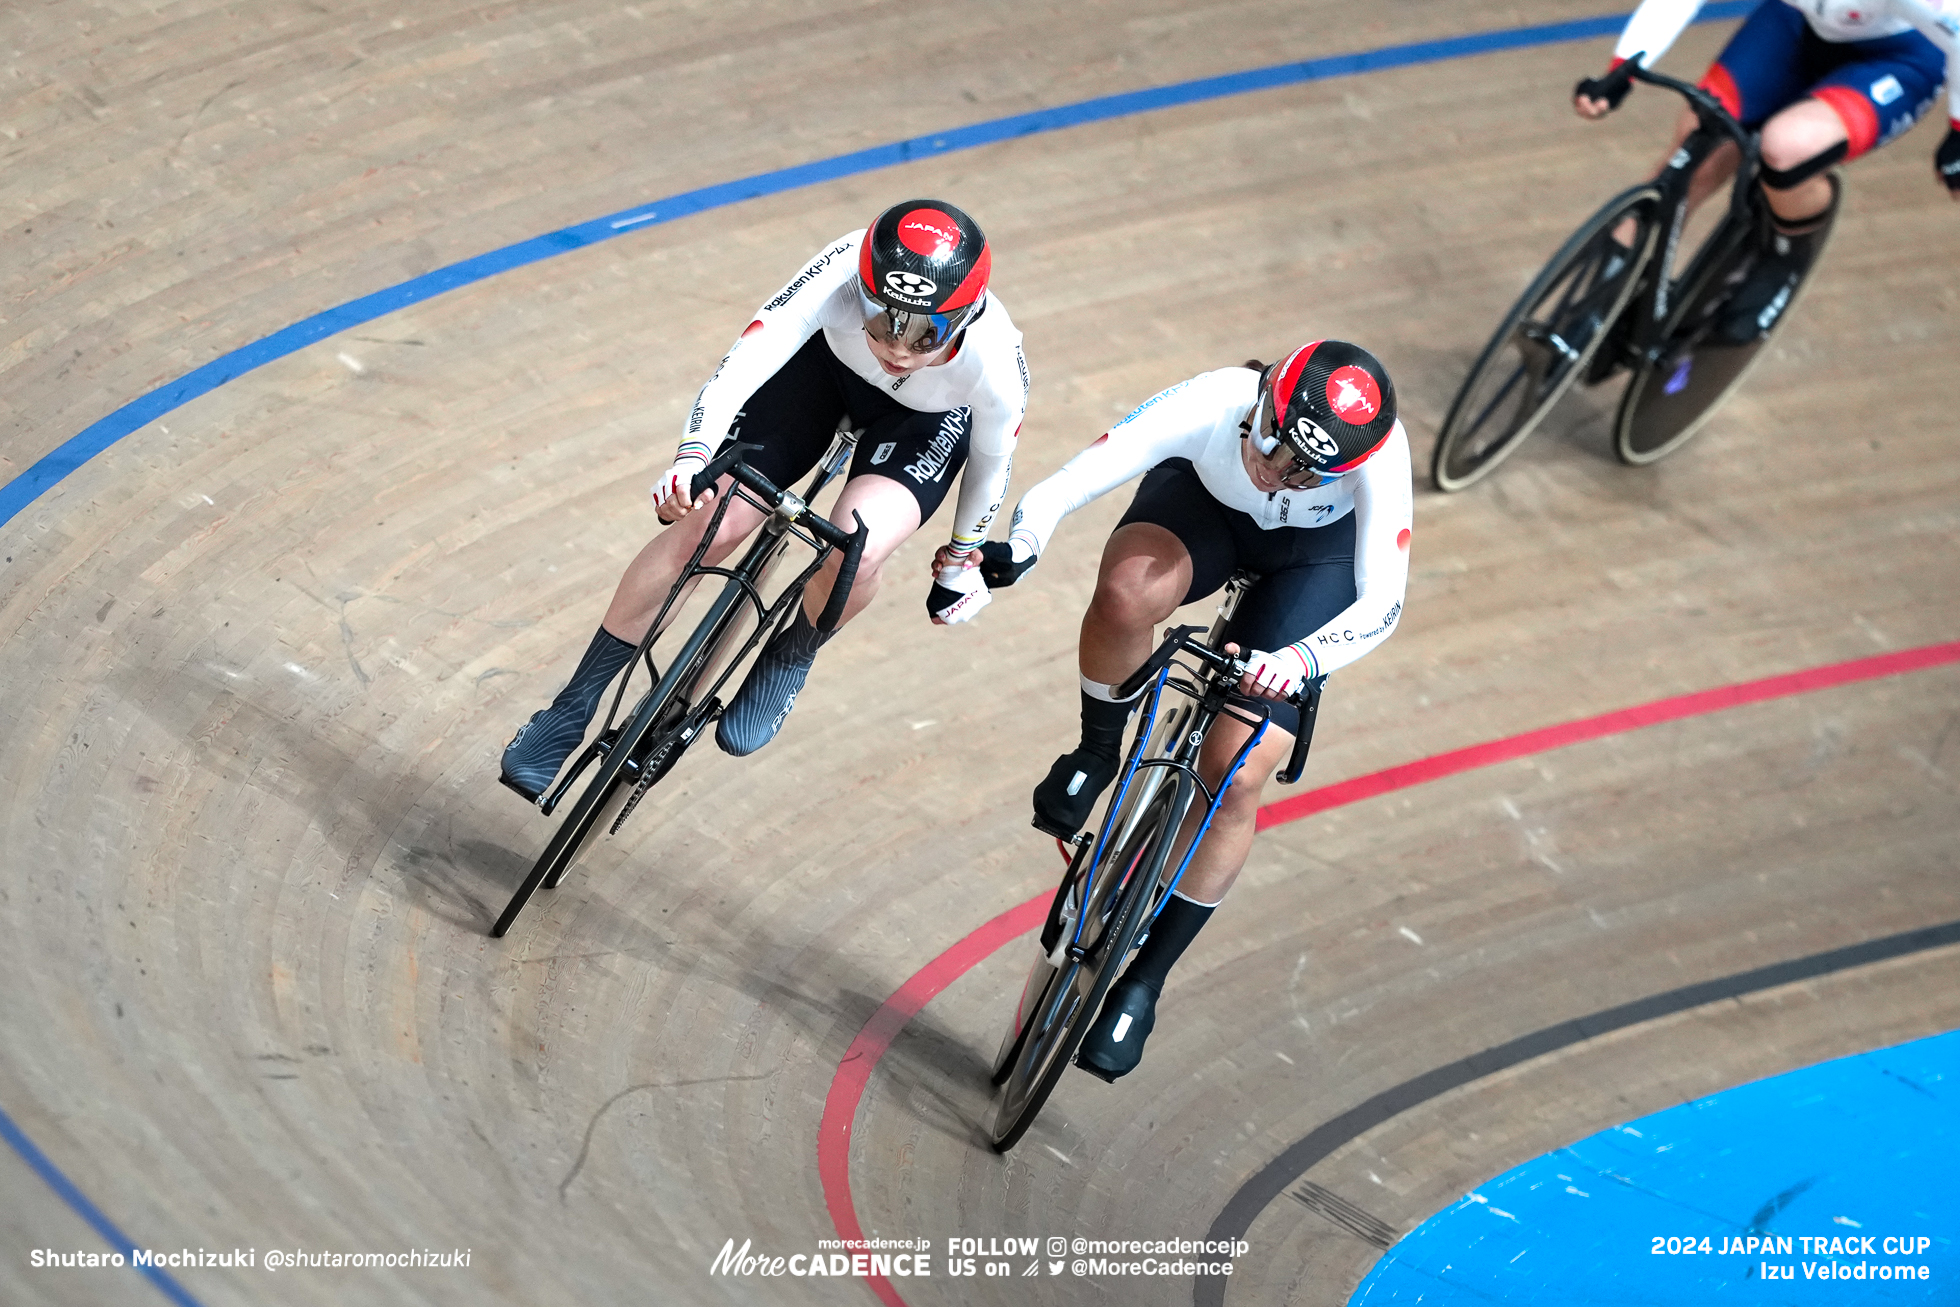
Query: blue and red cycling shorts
x=1879 y=88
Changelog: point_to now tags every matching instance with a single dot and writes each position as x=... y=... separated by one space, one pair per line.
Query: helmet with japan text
x=1330 y=403
x=922 y=273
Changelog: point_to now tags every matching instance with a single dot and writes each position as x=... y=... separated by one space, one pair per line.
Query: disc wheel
x=1670 y=399
x=1545 y=342
x=1058 y=1003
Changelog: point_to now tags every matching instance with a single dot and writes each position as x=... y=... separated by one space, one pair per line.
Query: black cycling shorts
x=794 y=415
x=1306 y=574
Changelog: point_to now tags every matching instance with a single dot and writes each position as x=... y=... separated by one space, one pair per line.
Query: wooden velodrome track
x=260 y=655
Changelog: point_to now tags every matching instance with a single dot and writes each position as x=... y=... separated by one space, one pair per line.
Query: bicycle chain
x=650 y=771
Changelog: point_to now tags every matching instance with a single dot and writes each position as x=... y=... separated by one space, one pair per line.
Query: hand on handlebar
x=1271 y=675
x=1595 y=97
x=670 y=492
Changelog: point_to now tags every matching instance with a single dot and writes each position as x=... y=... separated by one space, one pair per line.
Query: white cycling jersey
x=987 y=376
x=1655 y=25
x=1200 y=420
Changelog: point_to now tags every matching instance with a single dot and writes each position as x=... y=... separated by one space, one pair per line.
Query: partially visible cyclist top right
x=1825 y=81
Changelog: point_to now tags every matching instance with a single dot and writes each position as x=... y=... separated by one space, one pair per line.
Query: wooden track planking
x=636 y=1074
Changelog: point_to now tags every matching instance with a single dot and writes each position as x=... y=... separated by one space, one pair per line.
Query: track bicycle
x=682 y=704
x=1602 y=305
x=1119 y=878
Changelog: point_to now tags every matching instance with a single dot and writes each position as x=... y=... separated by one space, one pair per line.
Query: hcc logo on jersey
x=1316 y=440
x=910 y=286
x=1353 y=395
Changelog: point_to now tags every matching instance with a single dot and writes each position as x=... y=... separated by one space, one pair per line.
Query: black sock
x=603 y=658
x=1176 y=926
x=1102 y=725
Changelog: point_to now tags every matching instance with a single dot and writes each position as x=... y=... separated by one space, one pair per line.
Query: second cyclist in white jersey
x=1298 y=472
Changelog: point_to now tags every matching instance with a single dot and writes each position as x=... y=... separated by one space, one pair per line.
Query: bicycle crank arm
x=598 y=749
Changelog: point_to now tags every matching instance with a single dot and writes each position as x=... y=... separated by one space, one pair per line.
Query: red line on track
x=1612 y=723
x=861 y=1059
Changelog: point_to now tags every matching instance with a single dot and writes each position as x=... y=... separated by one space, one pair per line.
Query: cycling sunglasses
x=921 y=333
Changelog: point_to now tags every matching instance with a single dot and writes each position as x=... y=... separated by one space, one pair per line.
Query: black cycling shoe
x=1066 y=796
x=1114 y=1045
x=540 y=748
x=1752 y=312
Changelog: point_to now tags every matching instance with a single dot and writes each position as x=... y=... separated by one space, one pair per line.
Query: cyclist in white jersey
x=1299 y=473
x=893 y=328
x=1825 y=81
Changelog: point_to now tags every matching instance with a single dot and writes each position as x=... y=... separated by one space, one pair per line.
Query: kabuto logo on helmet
x=925 y=256
x=911 y=286
x=1353 y=395
x=1316 y=440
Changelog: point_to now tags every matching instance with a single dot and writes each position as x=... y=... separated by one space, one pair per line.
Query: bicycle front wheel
x=1670 y=399
x=1057 y=1007
x=1545 y=342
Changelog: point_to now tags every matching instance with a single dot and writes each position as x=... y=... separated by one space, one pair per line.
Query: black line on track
x=1252 y=1198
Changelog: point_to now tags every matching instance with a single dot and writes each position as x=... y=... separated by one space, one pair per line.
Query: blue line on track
x=44 y=475
x=79 y=449
x=88 y=1211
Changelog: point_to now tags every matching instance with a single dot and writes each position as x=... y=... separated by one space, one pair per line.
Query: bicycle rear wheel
x=1544 y=343
x=1056 y=1008
x=1670 y=399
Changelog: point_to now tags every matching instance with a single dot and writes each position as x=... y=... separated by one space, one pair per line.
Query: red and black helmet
x=1331 y=403
x=923 y=267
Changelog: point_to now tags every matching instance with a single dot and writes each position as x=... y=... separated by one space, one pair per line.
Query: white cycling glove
x=957 y=595
x=676 y=480
x=1278 y=674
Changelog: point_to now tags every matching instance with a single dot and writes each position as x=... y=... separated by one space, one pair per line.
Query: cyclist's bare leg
x=1218 y=860
x=1144 y=575
x=892 y=515
x=644 y=586
x=1794 y=136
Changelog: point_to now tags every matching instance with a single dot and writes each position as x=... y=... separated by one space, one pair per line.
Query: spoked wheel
x=1546 y=340
x=1669 y=400
x=1058 y=1002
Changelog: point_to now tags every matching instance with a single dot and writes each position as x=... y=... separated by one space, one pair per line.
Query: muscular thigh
x=1307 y=582
x=1884 y=89
x=1172 y=497
x=923 y=452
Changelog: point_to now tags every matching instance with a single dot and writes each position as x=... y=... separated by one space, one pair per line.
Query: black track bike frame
x=1642 y=334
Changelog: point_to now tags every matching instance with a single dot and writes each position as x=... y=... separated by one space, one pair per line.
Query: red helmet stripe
x=866 y=277
x=1354 y=463
x=976 y=281
x=1288 y=379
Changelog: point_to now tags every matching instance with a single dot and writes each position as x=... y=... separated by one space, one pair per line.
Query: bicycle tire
x=625 y=783
x=568 y=841
x=1655 y=420
x=1054 y=1028
x=1576 y=297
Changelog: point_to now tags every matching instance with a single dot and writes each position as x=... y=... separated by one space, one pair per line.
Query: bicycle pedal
x=1095 y=1071
x=1056 y=832
x=599 y=748
x=535 y=800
